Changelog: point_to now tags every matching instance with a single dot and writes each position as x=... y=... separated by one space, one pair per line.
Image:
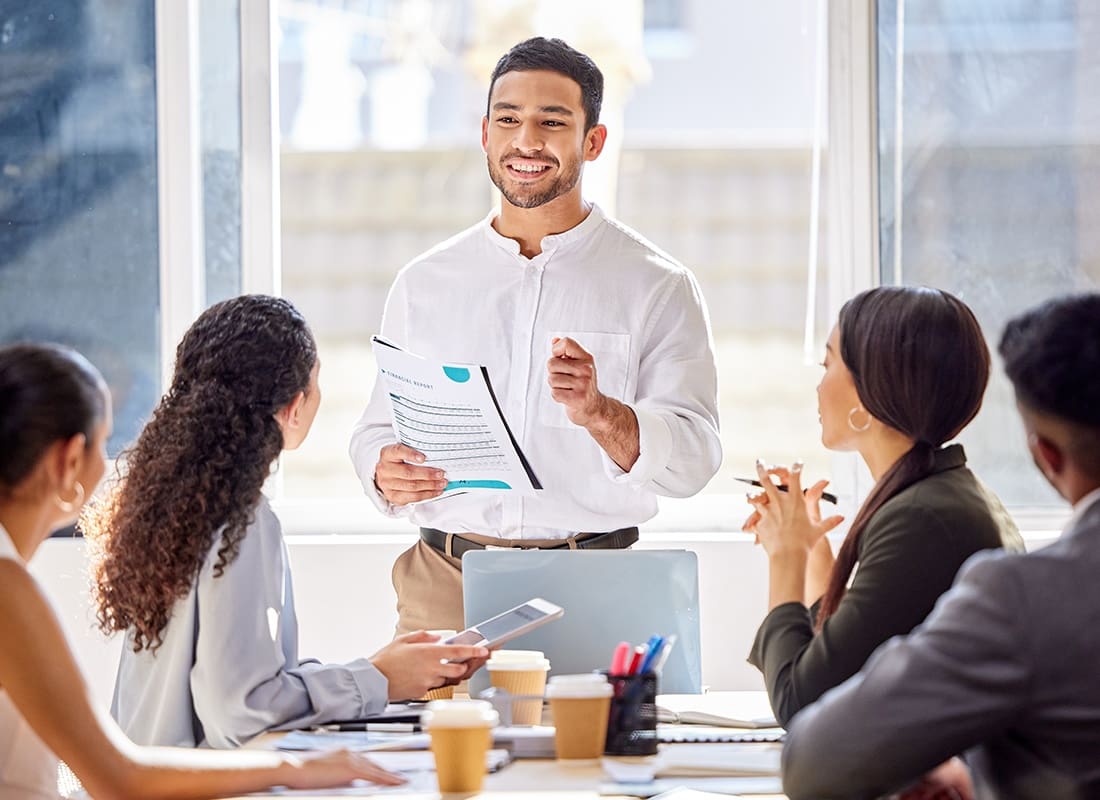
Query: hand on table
x=338 y=768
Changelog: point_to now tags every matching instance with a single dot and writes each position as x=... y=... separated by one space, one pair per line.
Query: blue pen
x=653 y=647
x=663 y=655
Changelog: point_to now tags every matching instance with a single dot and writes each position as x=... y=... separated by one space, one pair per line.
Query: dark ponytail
x=48 y=393
x=920 y=365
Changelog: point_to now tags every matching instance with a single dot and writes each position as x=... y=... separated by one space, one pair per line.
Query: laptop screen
x=609 y=596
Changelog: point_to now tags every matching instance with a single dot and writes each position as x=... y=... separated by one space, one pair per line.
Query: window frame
x=853 y=203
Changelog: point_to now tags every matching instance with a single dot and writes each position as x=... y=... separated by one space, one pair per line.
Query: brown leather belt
x=611 y=540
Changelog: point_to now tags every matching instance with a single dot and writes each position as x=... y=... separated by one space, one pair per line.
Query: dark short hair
x=554 y=55
x=48 y=393
x=1052 y=356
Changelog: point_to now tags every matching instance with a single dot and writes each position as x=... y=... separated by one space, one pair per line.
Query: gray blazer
x=228 y=668
x=1005 y=669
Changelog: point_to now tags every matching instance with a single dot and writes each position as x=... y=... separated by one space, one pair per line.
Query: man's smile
x=527 y=169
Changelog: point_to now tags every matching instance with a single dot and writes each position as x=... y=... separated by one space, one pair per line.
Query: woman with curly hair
x=191 y=560
x=55 y=417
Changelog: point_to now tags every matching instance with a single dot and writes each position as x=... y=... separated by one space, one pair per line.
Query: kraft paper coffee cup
x=579 y=705
x=522 y=673
x=441 y=692
x=461 y=733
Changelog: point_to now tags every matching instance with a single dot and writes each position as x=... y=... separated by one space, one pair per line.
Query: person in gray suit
x=1005 y=669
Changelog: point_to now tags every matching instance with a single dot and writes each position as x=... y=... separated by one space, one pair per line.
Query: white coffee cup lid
x=579 y=686
x=460 y=714
x=518 y=659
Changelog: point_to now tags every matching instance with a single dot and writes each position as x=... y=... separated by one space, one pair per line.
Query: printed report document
x=450 y=414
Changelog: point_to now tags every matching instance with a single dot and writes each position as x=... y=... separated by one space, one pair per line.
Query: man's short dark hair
x=1052 y=357
x=554 y=55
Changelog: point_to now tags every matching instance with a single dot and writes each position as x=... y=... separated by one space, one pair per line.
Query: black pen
x=372 y=727
x=826 y=496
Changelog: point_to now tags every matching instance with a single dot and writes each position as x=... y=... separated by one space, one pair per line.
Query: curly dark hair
x=195 y=474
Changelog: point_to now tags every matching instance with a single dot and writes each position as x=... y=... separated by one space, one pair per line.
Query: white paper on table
x=352 y=740
x=450 y=414
x=723 y=786
x=417 y=766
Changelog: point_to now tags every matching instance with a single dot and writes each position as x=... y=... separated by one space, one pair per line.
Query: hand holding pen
x=787 y=520
x=828 y=497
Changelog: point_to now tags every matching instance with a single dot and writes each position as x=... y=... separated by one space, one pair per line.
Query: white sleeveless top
x=28 y=770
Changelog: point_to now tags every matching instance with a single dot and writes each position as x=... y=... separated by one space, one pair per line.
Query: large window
x=78 y=190
x=100 y=117
x=710 y=158
x=989 y=175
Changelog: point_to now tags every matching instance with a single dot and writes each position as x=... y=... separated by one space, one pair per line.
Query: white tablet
x=512 y=623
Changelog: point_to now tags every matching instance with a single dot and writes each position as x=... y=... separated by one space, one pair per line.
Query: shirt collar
x=577 y=233
x=949 y=457
x=1082 y=507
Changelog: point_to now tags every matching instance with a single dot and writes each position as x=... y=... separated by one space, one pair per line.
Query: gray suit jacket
x=1005 y=669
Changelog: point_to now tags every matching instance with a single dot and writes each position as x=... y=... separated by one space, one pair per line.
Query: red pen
x=619 y=660
x=635 y=661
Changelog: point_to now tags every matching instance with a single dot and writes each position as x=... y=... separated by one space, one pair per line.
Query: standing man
x=1005 y=668
x=598 y=345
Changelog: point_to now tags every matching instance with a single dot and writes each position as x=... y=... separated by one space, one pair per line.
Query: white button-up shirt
x=476 y=299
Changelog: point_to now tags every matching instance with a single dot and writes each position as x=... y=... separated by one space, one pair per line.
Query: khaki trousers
x=429 y=590
x=429 y=584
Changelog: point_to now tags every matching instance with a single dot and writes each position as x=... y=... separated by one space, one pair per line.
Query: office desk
x=558 y=780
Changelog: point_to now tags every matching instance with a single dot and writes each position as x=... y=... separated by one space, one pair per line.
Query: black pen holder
x=632 y=721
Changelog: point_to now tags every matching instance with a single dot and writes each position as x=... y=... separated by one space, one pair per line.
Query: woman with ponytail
x=191 y=562
x=55 y=417
x=905 y=371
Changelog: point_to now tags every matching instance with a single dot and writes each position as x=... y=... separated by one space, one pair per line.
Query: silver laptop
x=609 y=596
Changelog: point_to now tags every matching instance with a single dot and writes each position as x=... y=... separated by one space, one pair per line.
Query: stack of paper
x=686 y=761
x=526 y=741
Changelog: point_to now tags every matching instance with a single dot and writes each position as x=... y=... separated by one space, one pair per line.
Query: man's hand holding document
x=448 y=412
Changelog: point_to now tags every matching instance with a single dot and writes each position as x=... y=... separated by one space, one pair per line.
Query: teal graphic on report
x=476 y=485
x=457 y=374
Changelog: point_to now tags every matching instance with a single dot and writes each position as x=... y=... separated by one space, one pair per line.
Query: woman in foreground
x=54 y=422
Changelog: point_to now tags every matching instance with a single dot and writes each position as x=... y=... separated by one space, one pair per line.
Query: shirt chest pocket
x=611 y=353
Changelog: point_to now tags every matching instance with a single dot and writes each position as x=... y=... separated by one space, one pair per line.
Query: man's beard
x=563 y=184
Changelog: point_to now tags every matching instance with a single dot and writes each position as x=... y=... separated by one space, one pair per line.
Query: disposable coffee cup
x=521 y=673
x=579 y=705
x=441 y=692
x=461 y=732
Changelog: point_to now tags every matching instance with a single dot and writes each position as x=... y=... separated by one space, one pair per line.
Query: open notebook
x=720 y=709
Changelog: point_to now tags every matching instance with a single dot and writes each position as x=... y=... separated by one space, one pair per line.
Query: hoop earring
x=72 y=505
x=858 y=428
